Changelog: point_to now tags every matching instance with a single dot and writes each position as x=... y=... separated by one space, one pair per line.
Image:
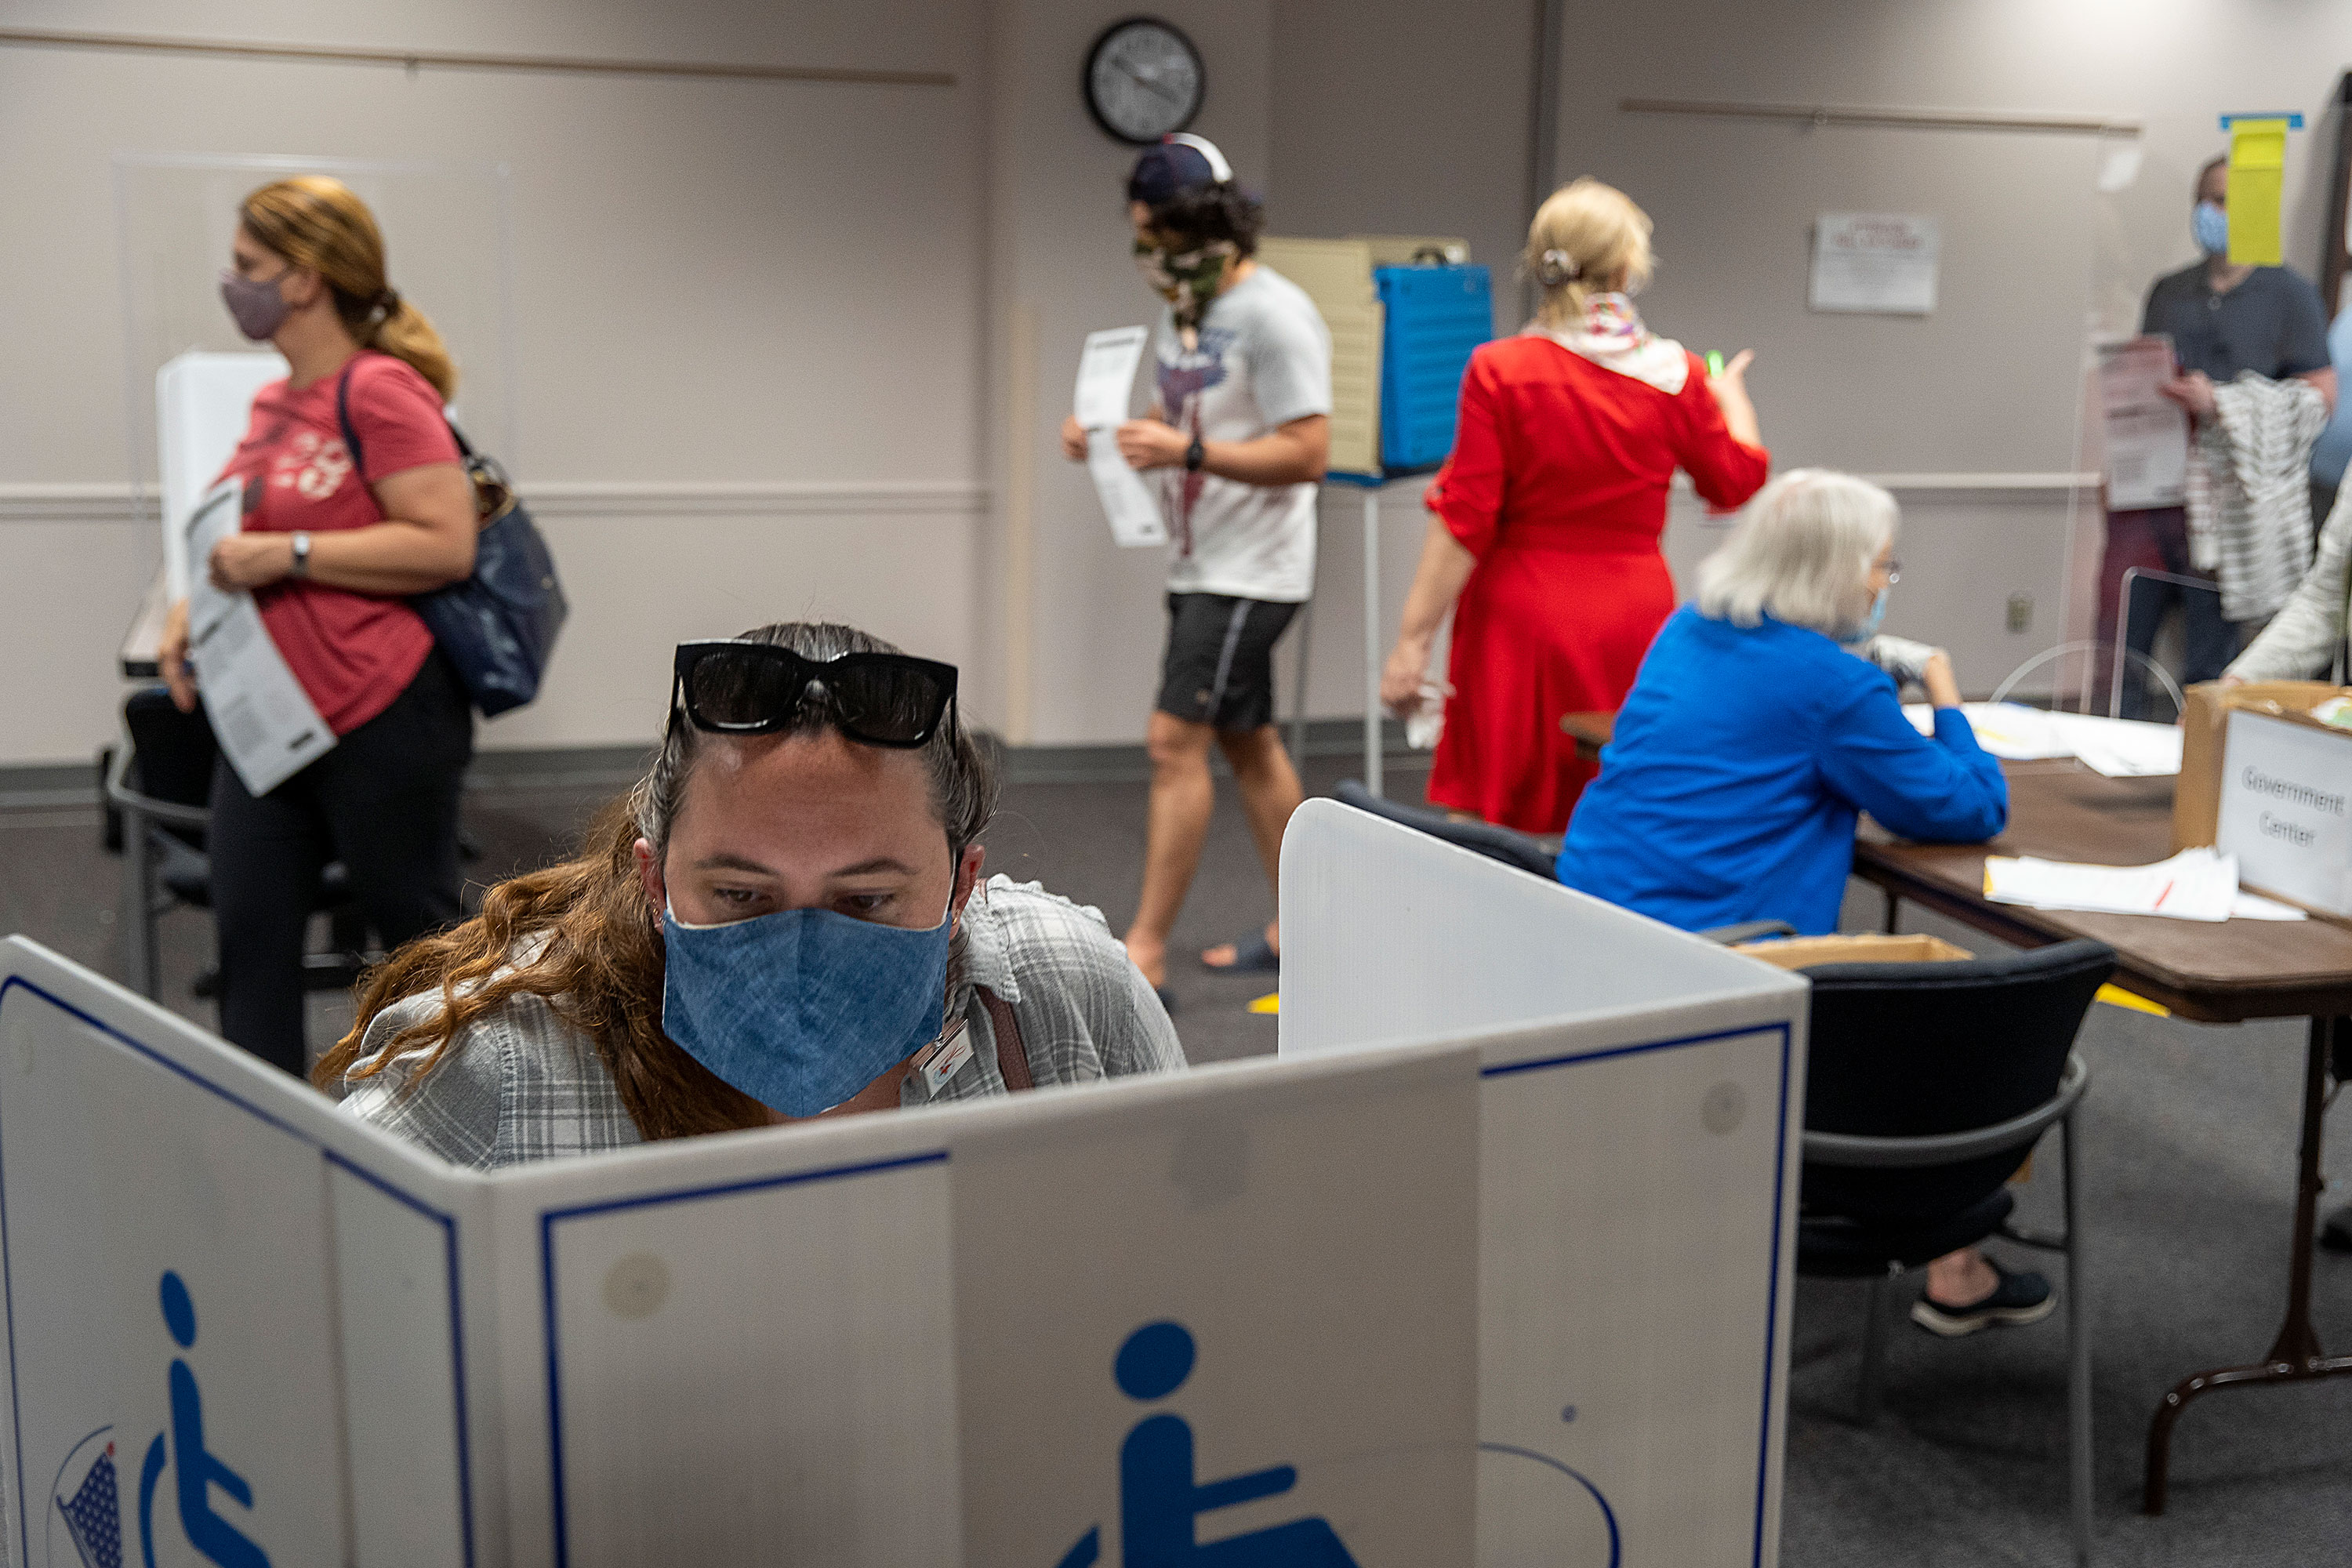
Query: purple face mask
x=259 y=309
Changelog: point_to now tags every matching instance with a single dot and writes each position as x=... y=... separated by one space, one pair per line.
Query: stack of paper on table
x=2119 y=748
x=2194 y=885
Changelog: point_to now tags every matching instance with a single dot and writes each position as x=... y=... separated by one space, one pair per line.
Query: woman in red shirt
x=330 y=556
x=1543 y=537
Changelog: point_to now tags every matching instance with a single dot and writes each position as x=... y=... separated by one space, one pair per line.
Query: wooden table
x=2223 y=973
x=2213 y=973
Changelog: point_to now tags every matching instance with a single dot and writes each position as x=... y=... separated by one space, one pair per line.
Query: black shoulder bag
x=499 y=626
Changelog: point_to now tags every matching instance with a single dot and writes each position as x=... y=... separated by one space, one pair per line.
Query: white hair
x=1801 y=553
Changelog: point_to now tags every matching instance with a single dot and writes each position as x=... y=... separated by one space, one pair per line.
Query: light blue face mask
x=1873 y=621
x=803 y=1008
x=2210 y=225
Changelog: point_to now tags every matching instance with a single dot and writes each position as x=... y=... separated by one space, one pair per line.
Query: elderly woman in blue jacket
x=1764 y=720
x=1754 y=734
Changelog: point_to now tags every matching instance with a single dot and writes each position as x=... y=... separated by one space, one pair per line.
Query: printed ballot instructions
x=1106 y=373
x=2147 y=433
x=263 y=718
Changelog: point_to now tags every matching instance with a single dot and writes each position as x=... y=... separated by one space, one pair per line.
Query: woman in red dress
x=1543 y=535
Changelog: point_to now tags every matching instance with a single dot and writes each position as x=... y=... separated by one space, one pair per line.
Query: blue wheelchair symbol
x=1160 y=1503
x=198 y=1471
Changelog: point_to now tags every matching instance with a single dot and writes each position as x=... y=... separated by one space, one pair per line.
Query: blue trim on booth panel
x=548 y=1220
x=1780 y=1180
x=447 y=1222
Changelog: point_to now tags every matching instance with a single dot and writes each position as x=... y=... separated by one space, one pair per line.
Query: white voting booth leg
x=243 y=1327
x=1640 y=1107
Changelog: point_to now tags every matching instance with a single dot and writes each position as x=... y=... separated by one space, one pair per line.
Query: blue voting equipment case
x=1436 y=316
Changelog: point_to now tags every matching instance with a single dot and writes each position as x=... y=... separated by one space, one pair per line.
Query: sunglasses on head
x=758 y=689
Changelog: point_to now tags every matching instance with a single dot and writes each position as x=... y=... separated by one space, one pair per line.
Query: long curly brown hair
x=599 y=961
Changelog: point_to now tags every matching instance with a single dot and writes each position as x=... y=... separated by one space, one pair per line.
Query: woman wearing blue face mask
x=784 y=919
x=1766 y=718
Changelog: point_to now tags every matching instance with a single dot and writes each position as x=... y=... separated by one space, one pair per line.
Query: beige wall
x=793 y=349
x=1987 y=386
x=1080 y=617
x=748 y=322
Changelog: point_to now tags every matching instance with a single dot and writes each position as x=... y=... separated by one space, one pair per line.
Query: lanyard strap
x=1011 y=1052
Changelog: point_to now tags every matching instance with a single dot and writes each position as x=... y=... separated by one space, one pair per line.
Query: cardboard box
x=2197 y=799
x=2285 y=808
x=1804 y=952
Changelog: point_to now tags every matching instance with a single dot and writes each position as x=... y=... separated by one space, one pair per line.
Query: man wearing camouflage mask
x=1238 y=434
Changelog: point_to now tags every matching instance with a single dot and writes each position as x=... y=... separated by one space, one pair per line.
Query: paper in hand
x=1107 y=374
x=264 y=721
x=1106 y=377
x=1127 y=499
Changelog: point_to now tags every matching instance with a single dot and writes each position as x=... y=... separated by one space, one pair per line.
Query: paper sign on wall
x=1874 y=263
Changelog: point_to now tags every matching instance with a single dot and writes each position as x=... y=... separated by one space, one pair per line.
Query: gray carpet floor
x=2188 y=1164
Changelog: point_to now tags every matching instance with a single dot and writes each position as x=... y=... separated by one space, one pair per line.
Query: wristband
x=301 y=567
x=1194 y=456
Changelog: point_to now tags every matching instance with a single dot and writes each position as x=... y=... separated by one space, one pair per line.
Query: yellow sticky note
x=1267 y=1005
x=2257 y=174
x=2117 y=996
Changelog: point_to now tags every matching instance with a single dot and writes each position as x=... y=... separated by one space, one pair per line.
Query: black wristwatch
x=302 y=564
x=1194 y=456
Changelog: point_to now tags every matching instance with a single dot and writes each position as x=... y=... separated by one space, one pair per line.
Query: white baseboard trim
x=118 y=504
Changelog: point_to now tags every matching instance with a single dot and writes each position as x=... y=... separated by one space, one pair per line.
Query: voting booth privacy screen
x=189 y=375
x=244 y=1328
x=1641 y=1098
x=1489 y=1266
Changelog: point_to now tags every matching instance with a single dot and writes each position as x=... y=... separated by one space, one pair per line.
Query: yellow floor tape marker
x=1270 y=1004
x=2115 y=995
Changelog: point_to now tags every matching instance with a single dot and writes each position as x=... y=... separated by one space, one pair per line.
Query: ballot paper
x=1127 y=499
x=263 y=718
x=2254 y=907
x=1106 y=377
x=2147 y=433
x=1874 y=263
x=2119 y=748
x=2194 y=885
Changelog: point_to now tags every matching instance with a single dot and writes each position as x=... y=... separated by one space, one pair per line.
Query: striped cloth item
x=2249 y=498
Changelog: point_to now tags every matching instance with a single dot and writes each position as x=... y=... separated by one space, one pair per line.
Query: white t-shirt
x=1264 y=359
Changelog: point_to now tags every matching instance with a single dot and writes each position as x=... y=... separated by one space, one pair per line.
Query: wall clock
x=1143 y=80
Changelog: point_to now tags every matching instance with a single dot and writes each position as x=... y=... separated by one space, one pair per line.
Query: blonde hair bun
x=1586 y=238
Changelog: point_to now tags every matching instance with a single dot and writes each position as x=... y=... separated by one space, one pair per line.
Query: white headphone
x=1218 y=170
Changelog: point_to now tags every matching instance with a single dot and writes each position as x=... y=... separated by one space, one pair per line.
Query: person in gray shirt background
x=2224 y=319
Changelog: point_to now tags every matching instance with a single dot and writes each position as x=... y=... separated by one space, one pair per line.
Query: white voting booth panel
x=1641 y=1105
x=245 y=1329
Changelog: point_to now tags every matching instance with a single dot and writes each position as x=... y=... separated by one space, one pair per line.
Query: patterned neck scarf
x=1186 y=279
x=1612 y=336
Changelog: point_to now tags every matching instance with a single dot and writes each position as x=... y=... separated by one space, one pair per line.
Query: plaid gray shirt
x=522 y=1084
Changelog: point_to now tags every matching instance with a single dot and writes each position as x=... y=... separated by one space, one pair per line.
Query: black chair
x=1927 y=1085
x=1508 y=845
x=1523 y=851
x=160 y=780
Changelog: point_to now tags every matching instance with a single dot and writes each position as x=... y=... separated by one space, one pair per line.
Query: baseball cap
x=1180 y=162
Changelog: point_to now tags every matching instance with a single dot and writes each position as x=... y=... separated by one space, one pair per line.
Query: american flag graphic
x=93 y=1518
